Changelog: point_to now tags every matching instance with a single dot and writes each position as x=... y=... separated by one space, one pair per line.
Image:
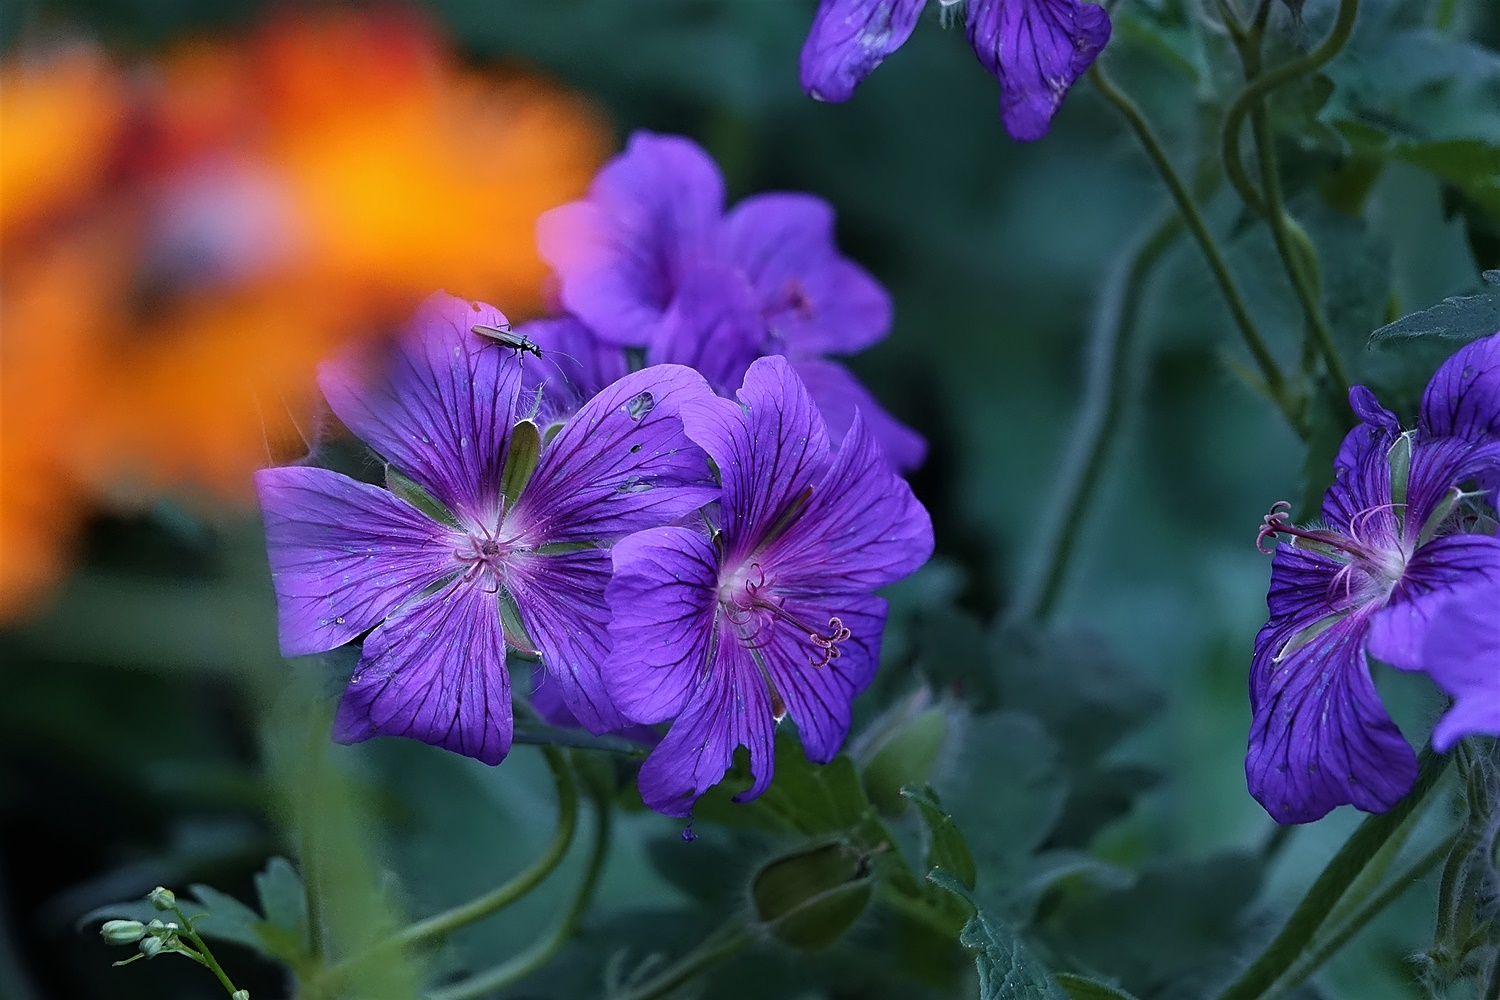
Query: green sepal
x=810 y=898
x=408 y=489
x=521 y=457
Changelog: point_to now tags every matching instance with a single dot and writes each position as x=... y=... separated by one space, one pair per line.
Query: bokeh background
x=200 y=199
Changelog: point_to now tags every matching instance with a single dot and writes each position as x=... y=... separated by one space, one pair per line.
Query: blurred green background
x=149 y=733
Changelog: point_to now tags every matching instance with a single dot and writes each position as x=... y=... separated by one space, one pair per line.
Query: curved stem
x=204 y=955
x=1328 y=946
x=1275 y=385
x=725 y=943
x=1106 y=389
x=539 y=954
x=441 y=924
x=1330 y=886
x=1256 y=90
x=541 y=734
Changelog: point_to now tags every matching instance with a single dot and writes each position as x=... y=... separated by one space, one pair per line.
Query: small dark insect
x=507 y=337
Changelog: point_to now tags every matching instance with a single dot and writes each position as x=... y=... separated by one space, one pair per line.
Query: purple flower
x=1401 y=537
x=770 y=613
x=650 y=260
x=482 y=523
x=1037 y=49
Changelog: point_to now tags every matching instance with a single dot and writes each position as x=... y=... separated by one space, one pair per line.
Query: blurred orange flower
x=184 y=241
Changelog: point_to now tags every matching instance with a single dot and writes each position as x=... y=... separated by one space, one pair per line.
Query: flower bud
x=162 y=898
x=240 y=995
x=151 y=947
x=810 y=898
x=122 y=931
x=901 y=749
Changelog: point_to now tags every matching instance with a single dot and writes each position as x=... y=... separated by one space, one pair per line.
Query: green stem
x=725 y=943
x=1105 y=391
x=442 y=924
x=1325 y=947
x=1330 y=887
x=539 y=954
x=1257 y=89
x=539 y=734
x=203 y=954
x=1275 y=385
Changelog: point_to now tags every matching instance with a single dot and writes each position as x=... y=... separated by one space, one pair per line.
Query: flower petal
x=769 y=450
x=664 y=599
x=439 y=405
x=561 y=600
x=1452 y=564
x=820 y=698
x=1358 y=503
x=1319 y=736
x=861 y=529
x=812 y=299
x=575 y=365
x=620 y=254
x=621 y=464
x=840 y=395
x=729 y=707
x=436 y=673
x=1036 y=49
x=1368 y=409
x=849 y=38
x=1463 y=398
x=712 y=327
x=1462 y=657
x=344 y=555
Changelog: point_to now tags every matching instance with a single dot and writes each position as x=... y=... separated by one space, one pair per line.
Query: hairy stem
x=1275 y=384
x=1106 y=389
x=1325 y=893
x=539 y=954
x=203 y=954
x=725 y=943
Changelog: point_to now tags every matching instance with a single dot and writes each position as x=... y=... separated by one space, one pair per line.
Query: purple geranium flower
x=483 y=522
x=1037 y=49
x=1401 y=536
x=650 y=260
x=772 y=612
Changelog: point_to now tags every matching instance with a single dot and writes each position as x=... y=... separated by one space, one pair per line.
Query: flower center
x=1372 y=570
x=482 y=555
x=748 y=602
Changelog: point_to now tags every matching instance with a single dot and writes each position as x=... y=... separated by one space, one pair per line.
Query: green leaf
x=1458 y=317
x=946 y=848
x=1007 y=969
x=806 y=798
x=901 y=748
x=1081 y=988
x=283 y=900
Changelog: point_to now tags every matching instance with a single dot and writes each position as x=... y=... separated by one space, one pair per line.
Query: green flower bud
x=122 y=931
x=810 y=898
x=240 y=995
x=151 y=946
x=162 y=898
x=901 y=749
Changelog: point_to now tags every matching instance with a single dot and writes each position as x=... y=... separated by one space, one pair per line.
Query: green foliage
x=1007 y=969
x=945 y=845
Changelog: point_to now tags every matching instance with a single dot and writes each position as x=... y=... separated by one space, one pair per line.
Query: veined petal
x=438 y=405
x=770 y=449
x=1452 y=564
x=1438 y=465
x=664 y=600
x=1462 y=656
x=712 y=327
x=651 y=212
x=435 y=672
x=840 y=396
x=1036 y=49
x=812 y=300
x=728 y=707
x=820 y=698
x=1359 y=503
x=621 y=464
x=344 y=555
x=1463 y=398
x=1368 y=409
x=561 y=600
x=861 y=529
x=574 y=366
x=849 y=38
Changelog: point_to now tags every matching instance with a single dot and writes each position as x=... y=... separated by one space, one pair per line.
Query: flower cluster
x=649 y=584
x=1405 y=569
x=650 y=261
x=1037 y=49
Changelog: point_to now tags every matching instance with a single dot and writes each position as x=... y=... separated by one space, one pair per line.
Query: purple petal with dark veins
x=860 y=530
x=712 y=327
x=664 y=597
x=769 y=448
x=547 y=701
x=811 y=299
x=1358 y=504
x=728 y=707
x=1036 y=49
x=651 y=213
x=820 y=699
x=561 y=600
x=435 y=672
x=439 y=405
x=840 y=396
x=1445 y=566
x=621 y=464
x=1368 y=409
x=1319 y=736
x=849 y=38
x=344 y=555
x=1463 y=398
x=575 y=365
